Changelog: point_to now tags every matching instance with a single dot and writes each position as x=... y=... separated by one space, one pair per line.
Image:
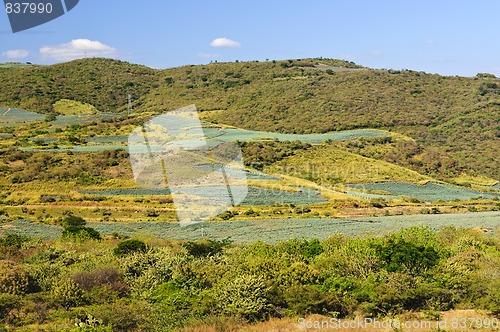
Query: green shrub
x=399 y=255
x=300 y=248
x=128 y=247
x=13 y=240
x=73 y=221
x=204 y=248
x=123 y=315
x=68 y=294
x=305 y=300
x=8 y=302
x=109 y=278
x=13 y=279
x=245 y=297
x=80 y=233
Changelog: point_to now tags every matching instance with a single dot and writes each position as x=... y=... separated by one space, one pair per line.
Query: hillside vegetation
x=103 y=83
x=85 y=283
x=454 y=121
x=329 y=166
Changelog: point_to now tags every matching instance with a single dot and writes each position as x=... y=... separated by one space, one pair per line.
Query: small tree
x=128 y=247
x=206 y=248
x=74 y=229
x=73 y=221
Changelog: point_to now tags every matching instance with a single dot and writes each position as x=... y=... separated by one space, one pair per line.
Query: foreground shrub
x=68 y=294
x=13 y=240
x=123 y=315
x=108 y=278
x=13 y=279
x=246 y=297
x=400 y=255
x=306 y=300
x=8 y=302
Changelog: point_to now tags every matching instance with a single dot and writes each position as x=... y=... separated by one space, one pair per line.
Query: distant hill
x=454 y=121
x=103 y=83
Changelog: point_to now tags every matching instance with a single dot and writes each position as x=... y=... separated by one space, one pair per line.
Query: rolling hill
x=454 y=122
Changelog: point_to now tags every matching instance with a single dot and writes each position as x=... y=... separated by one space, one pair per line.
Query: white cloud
x=207 y=55
x=224 y=42
x=77 y=49
x=375 y=54
x=15 y=54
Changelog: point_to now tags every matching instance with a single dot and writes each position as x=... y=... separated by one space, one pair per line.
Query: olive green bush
x=13 y=279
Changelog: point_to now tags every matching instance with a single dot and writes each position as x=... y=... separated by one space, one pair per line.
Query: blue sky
x=447 y=37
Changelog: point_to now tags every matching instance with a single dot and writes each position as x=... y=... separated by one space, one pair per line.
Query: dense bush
x=108 y=278
x=8 y=302
x=73 y=221
x=401 y=256
x=205 y=248
x=245 y=297
x=13 y=240
x=80 y=233
x=13 y=279
x=128 y=247
x=68 y=294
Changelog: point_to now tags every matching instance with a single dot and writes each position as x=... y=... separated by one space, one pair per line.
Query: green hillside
x=103 y=83
x=453 y=122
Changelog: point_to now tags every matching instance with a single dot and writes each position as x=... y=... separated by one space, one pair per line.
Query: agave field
x=429 y=192
x=265 y=197
x=233 y=135
x=82 y=148
x=68 y=120
x=108 y=139
x=250 y=175
x=368 y=195
x=30 y=229
x=270 y=231
x=126 y=192
x=14 y=115
x=255 y=197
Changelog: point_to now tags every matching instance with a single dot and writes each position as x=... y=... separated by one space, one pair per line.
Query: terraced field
x=14 y=115
x=108 y=139
x=429 y=192
x=78 y=148
x=256 y=196
x=271 y=231
x=68 y=120
x=233 y=135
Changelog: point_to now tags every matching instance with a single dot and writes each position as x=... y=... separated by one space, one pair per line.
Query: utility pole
x=129 y=104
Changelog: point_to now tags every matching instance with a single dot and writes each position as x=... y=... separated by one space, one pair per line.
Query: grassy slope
x=71 y=107
x=329 y=165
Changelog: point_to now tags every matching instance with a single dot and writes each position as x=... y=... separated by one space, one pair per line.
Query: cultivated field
x=428 y=192
x=271 y=231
